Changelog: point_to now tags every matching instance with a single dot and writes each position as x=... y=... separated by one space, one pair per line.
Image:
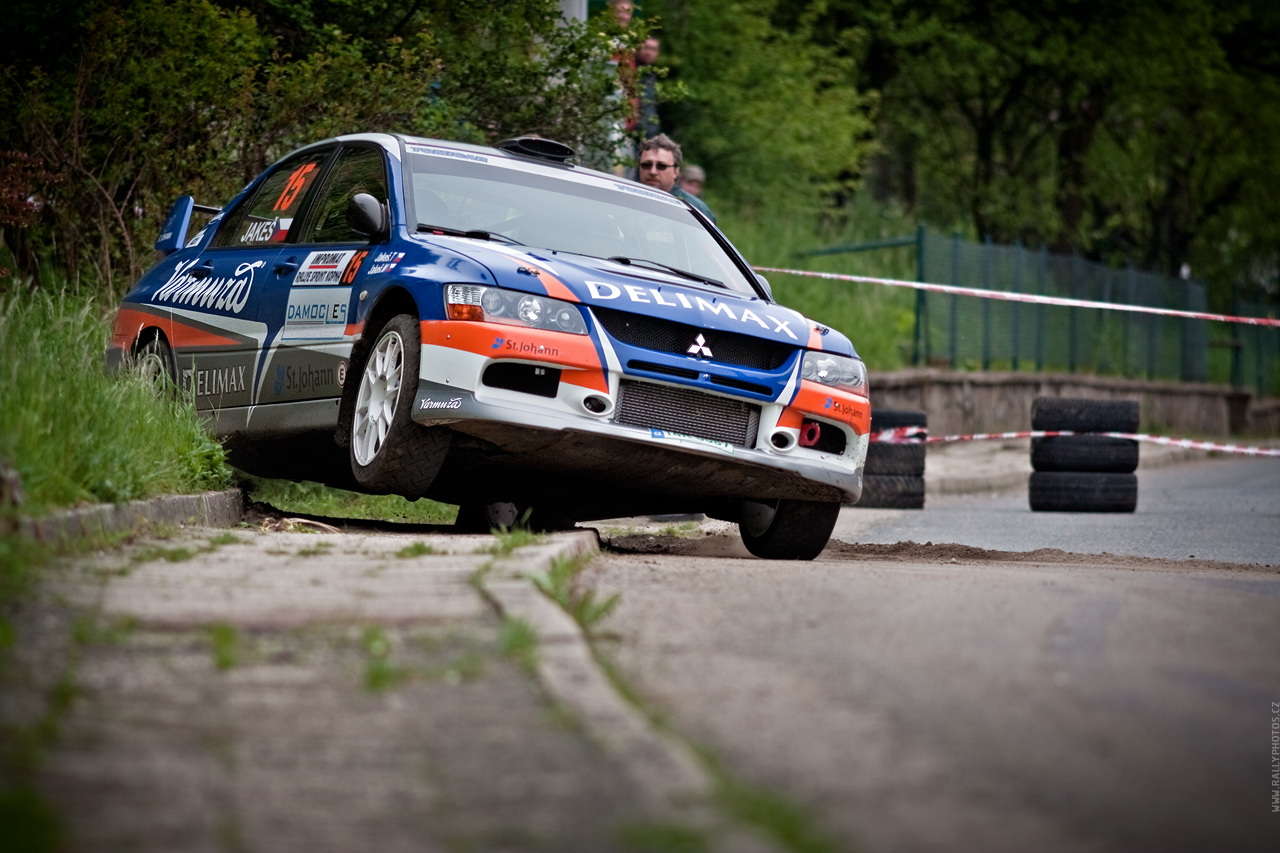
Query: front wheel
x=787 y=529
x=389 y=452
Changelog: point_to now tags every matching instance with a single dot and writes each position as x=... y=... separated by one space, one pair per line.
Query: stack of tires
x=1084 y=473
x=894 y=474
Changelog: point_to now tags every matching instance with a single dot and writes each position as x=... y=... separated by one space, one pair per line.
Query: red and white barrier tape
x=1030 y=297
x=919 y=435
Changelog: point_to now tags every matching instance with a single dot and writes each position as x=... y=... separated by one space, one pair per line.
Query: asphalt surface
x=1218 y=509
x=969 y=704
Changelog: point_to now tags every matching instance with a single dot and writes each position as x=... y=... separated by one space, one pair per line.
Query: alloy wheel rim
x=379 y=394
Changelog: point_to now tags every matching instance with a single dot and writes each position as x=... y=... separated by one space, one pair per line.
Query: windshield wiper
x=640 y=262
x=475 y=234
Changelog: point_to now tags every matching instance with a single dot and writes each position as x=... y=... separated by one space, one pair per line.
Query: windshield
x=575 y=213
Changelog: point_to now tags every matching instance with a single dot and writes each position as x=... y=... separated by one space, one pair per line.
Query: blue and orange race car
x=504 y=330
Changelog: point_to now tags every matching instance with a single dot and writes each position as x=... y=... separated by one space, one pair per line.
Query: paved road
x=1226 y=510
x=993 y=706
x=989 y=702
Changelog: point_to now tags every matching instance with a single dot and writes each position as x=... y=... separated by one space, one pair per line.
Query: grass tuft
x=417 y=549
x=316 y=550
x=560 y=584
x=379 y=672
x=663 y=838
x=226 y=646
x=509 y=540
x=519 y=642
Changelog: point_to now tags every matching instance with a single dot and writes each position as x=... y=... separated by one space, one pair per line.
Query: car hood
x=604 y=284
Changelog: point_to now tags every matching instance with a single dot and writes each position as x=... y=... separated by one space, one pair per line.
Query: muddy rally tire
x=389 y=452
x=787 y=529
x=1080 y=491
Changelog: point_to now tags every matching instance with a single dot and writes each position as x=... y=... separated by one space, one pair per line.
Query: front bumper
x=451 y=391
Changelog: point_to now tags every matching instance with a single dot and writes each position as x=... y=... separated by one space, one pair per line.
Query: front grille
x=650 y=333
x=689 y=412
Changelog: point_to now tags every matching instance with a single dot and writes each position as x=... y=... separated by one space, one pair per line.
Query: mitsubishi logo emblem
x=699 y=347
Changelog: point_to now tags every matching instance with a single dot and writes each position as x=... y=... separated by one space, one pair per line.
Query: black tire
x=881 y=491
x=787 y=529
x=906 y=460
x=893 y=418
x=155 y=362
x=1096 y=453
x=1077 y=491
x=1054 y=413
x=406 y=459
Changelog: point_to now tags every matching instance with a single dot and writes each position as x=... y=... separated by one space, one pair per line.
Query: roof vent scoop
x=538 y=148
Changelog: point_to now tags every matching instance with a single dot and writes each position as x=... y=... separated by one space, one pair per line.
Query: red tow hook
x=810 y=432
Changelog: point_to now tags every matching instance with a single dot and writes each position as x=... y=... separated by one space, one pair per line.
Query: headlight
x=836 y=371
x=495 y=305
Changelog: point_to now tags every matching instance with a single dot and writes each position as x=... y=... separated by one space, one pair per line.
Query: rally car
x=501 y=329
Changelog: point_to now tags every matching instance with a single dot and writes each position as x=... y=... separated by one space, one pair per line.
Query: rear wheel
x=155 y=362
x=389 y=452
x=787 y=529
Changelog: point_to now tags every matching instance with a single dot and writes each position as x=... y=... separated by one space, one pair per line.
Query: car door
x=309 y=360
x=228 y=282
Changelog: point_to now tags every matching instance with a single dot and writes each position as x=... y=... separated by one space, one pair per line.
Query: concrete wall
x=960 y=402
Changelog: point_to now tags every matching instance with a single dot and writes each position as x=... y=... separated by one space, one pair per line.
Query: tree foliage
x=140 y=101
x=773 y=113
x=1140 y=131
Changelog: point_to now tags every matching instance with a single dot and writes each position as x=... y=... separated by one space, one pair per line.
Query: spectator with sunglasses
x=660 y=167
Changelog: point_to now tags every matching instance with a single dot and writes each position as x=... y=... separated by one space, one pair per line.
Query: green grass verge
x=314 y=499
x=76 y=435
x=878 y=319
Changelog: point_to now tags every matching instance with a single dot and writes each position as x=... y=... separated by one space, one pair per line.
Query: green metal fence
x=974 y=333
x=987 y=334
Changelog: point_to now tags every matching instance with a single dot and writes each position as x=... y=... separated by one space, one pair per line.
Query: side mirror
x=368 y=217
x=173 y=234
x=764 y=284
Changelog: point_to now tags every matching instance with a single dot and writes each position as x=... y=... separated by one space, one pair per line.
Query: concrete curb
x=667 y=774
x=208 y=509
x=673 y=781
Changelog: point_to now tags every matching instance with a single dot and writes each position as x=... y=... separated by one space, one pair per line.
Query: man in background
x=647 y=124
x=692 y=178
x=660 y=169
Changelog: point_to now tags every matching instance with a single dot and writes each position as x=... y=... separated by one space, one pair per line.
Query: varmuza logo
x=221 y=293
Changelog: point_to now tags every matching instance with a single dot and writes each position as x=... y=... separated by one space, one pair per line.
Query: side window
x=268 y=216
x=358 y=170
